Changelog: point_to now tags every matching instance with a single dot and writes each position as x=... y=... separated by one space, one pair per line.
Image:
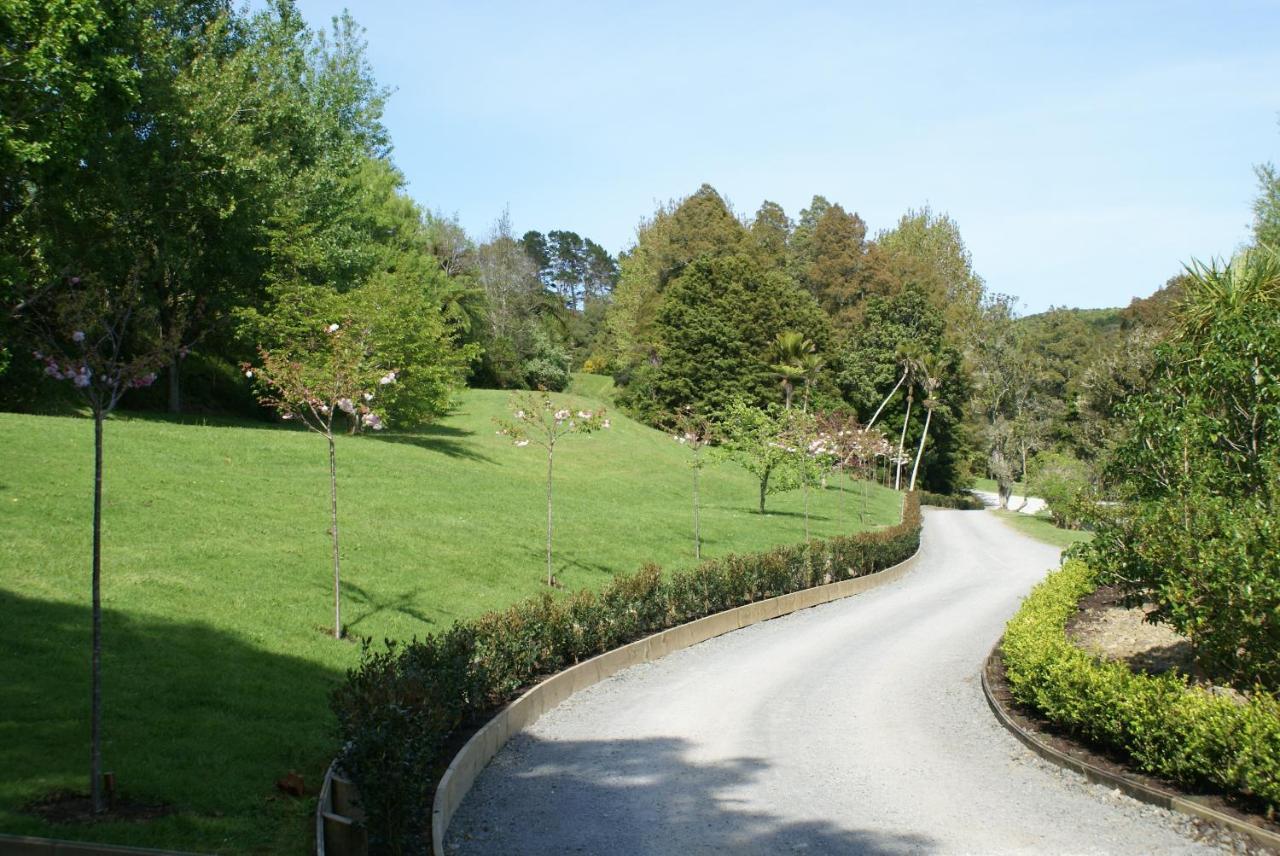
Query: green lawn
x=217 y=587
x=1040 y=527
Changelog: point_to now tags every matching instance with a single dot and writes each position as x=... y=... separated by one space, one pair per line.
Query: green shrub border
x=403 y=709
x=960 y=502
x=1166 y=726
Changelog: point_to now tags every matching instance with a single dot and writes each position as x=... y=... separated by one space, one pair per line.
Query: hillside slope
x=217 y=586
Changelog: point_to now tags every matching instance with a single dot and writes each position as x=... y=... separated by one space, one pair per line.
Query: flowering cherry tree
x=329 y=380
x=695 y=432
x=854 y=447
x=536 y=419
x=100 y=338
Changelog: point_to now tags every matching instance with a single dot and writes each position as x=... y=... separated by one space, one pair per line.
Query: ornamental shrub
x=1166 y=726
x=398 y=711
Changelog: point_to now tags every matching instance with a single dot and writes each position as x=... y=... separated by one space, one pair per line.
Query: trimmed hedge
x=960 y=502
x=399 y=710
x=1167 y=727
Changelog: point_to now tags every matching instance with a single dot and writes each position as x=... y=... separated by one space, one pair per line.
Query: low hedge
x=1184 y=733
x=399 y=710
x=960 y=502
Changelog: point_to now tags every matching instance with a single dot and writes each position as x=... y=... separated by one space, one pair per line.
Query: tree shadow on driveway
x=643 y=797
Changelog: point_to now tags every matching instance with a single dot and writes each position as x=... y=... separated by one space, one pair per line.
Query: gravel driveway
x=856 y=727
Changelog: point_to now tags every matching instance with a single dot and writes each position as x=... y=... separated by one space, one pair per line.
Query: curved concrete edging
x=1132 y=787
x=27 y=845
x=524 y=711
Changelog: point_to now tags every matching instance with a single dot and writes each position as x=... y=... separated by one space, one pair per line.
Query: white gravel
x=856 y=727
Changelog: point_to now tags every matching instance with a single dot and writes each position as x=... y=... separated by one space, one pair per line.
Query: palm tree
x=909 y=358
x=930 y=384
x=811 y=364
x=790 y=350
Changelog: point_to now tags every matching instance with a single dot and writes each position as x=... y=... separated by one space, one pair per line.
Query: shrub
x=1059 y=478
x=961 y=502
x=397 y=711
x=1167 y=727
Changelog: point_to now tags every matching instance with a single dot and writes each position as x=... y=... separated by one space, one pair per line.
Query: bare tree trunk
x=902 y=442
x=892 y=392
x=95 y=712
x=550 y=457
x=804 y=482
x=697 y=533
x=175 y=386
x=764 y=488
x=787 y=392
x=333 y=523
x=920 y=452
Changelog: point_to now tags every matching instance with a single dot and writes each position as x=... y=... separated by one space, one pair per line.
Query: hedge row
x=961 y=502
x=1167 y=727
x=398 y=711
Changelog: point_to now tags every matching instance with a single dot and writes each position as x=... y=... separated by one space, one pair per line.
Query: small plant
x=755 y=440
x=333 y=372
x=535 y=419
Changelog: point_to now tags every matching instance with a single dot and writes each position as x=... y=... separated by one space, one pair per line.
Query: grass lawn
x=217 y=587
x=1040 y=527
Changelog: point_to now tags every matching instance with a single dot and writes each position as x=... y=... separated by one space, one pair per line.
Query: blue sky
x=1085 y=149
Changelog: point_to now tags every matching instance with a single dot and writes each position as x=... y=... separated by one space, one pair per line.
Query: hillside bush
x=1059 y=478
x=399 y=710
x=1166 y=726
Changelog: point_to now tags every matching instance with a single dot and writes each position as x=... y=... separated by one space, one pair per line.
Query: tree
x=334 y=370
x=515 y=304
x=755 y=439
x=536 y=419
x=695 y=432
x=789 y=350
x=713 y=333
x=770 y=233
x=837 y=255
x=103 y=338
x=1266 y=208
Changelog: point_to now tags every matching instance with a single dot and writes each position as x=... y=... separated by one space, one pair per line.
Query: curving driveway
x=856 y=727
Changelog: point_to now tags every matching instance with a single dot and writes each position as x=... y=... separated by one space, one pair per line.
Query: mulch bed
x=75 y=807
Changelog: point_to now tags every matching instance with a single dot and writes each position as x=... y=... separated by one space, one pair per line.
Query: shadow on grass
x=402 y=603
x=441 y=439
x=642 y=796
x=193 y=716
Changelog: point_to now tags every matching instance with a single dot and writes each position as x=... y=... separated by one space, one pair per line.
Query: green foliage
x=757 y=440
x=547 y=366
x=396 y=711
x=959 y=502
x=1188 y=734
x=717 y=323
x=1197 y=470
x=1060 y=479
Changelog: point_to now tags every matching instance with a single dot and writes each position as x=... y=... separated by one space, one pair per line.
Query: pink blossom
x=584 y=414
x=332 y=328
x=82 y=377
x=346 y=405
x=77 y=336
x=562 y=415
x=75 y=280
x=368 y=396
x=372 y=420
x=604 y=424
x=389 y=377
x=519 y=414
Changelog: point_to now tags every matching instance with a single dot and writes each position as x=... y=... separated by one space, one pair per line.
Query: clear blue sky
x=1085 y=149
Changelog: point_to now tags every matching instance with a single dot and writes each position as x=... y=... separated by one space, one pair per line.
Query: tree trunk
x=175 y=386
x=550 y=458
x=764 y=488
x=787 y=391
x=333 y=524
x=920 y=452
x=697 y=533
x=804 y=482
x=902 y=443
x=95 y=704
x=892 y=392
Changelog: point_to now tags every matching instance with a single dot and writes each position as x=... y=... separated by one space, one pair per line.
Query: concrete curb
x=524 y=711
x=1132 y=787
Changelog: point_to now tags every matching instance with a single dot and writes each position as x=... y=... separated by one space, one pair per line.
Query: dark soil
x=75 y=807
